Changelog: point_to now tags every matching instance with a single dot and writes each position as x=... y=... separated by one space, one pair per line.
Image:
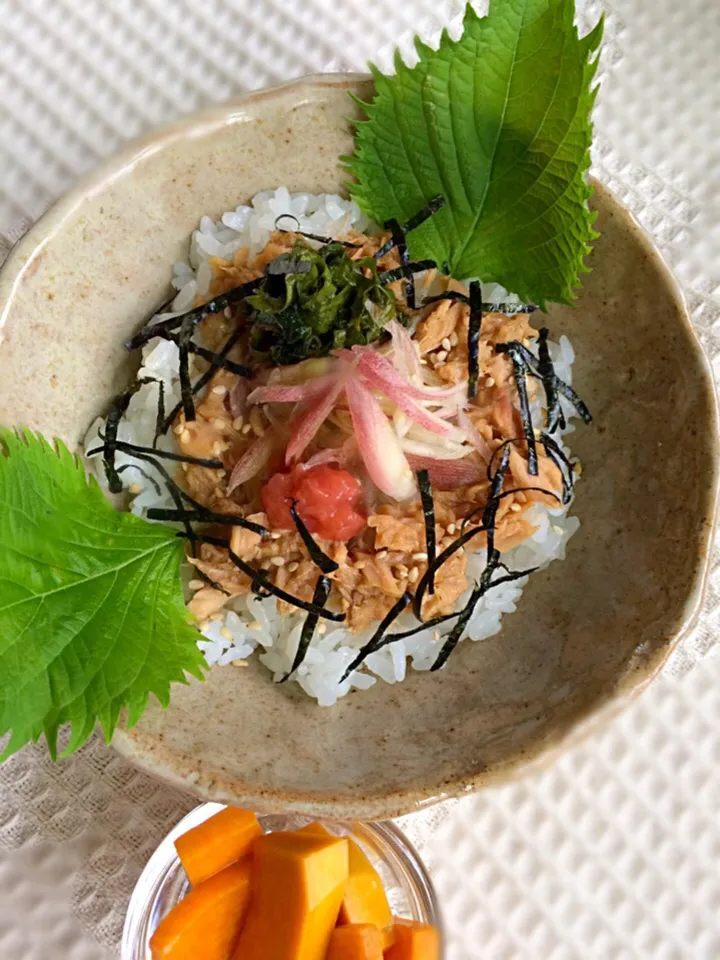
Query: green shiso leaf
x=92 y=617
x=498 y=123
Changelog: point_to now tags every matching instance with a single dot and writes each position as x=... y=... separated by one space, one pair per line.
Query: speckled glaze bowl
x=589 y=632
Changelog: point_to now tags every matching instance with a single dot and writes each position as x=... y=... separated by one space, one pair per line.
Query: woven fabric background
x=614 y=851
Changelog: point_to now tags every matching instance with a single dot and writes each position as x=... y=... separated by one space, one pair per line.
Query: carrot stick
x=211 y=846
x=207 y=922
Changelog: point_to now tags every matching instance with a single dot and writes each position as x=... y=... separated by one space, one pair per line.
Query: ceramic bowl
x=588 y=633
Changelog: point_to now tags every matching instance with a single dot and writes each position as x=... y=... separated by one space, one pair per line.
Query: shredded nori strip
x=543 y=369
x=430 y=208
x=473 y=340
x=555 y=416
x=204 y=379
x=493 y=501
x=488 y=520
x=270 y=587
x=508 y=493
x=398 y=239
x=520 y=370
x=406 y=270
x=457 y=544
x=188 y=404
x=205 y=516
x=455 y=295
x=176 y=491
x=260 y=578
x=118 y=408
x=312 y=236
x=509 y=309
x=322 y=592
x=376 y=641
x=279 y=267
x=428 y=506
x=453 y=638
x=219 y=362
x=112 y=422
x=133 y=449
x=201 y=575
x=318 y=557
x=412 y=631
x=567 y=391
x=558 y=457
x=160 y=418
x=196 y=315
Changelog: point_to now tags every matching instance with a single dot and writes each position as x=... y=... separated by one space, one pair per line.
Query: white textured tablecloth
x=615 y=851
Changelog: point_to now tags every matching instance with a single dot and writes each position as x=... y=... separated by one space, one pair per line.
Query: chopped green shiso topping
x=481 y=151
x=497 y=123
x=92 y=614
x=315 y=301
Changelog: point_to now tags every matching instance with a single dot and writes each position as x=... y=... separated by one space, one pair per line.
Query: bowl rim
x=382 y=804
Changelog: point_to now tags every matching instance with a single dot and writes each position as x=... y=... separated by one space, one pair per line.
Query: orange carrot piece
x=211 y=846
x=356 y=941
x=414 y=941
x=365 y=900
x=207 y=922
x=315 y=830
x=298 y=885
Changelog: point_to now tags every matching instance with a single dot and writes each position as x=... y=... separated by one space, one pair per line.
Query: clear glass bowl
x=163 y=882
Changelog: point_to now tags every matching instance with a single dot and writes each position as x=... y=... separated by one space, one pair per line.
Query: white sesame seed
x=446 y=345
x=196 y=585
x=278 y=561
x=423 y=362
x=451 y=528
x=228 y=313
x=292 y=567
x=217 y=449
x=441 y=356
x=218 y=423
x=436 y=635
x=237 y=423
x=220 y=391
x=178 y=428
x=204 y=624
x=321 y=628
x=184 y=467
x=515 y=507
x=215 y=616
x=240 y=663
x=185 y=436
x=413 y=575
x=490 y=382
x=453 y=339
x=419 y=556
x=226 y=633
x=246 y=429
x=134 y=488
x=256 y=421
x=381 y=555
x=255 y=625
x=557 y=530
x=275 y=535
x=402 y=570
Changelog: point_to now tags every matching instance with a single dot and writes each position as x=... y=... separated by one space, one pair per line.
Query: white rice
x=250 y=624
